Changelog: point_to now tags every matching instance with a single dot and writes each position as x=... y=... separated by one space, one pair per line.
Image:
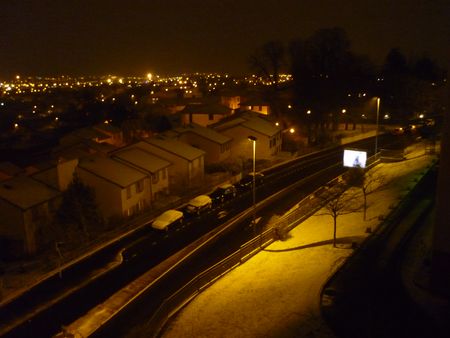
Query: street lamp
x=253 y=139
x=376 y=132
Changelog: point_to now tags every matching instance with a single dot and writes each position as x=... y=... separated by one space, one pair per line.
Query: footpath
x=277 y=292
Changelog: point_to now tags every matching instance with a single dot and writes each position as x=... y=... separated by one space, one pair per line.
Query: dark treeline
x=329 y=77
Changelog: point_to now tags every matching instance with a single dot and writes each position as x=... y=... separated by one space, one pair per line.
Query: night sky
x=167 y=37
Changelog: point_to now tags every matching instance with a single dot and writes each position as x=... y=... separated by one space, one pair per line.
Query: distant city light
x=308 y=112
x=292 y=130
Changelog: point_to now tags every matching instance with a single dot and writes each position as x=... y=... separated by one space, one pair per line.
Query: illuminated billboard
x=355 y=158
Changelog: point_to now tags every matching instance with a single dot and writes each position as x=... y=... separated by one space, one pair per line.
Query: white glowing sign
x=355 y=158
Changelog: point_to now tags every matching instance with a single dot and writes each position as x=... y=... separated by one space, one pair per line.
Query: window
x=140 y=186
x=141 y=205
x=155 y=177
x=129 y=192
x=164 y=174
x=211 y=117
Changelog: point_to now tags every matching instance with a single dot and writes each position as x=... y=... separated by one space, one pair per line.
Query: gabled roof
x=177 y=148
x=111 y=170
x=205 y=132
x=24 y=192
x=252 y=122
x=142 y=159
x=261 y=126
x=229 y=124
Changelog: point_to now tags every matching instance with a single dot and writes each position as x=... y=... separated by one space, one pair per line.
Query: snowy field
x=277 y=292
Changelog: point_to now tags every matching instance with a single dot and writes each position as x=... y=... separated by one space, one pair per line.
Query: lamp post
x=253 y=139
x=376 y=132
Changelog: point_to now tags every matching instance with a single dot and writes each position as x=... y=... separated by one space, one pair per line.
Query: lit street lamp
x=253 y=139
x=376 y=132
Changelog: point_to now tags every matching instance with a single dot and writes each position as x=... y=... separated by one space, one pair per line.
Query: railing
x=306 y=207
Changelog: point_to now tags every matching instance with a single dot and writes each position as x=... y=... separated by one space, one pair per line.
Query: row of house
x=126 y=178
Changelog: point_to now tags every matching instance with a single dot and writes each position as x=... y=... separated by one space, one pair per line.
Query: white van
x=199 y=204
x=167 y=220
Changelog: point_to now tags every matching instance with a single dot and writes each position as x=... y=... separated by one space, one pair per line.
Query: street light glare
x=292 y=130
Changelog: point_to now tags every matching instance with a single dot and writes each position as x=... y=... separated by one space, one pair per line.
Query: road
x=58 y=302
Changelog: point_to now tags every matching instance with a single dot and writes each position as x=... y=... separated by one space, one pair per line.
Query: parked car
x=246 y=183
x=199 y=204
x=168 y=219
x=224 y=192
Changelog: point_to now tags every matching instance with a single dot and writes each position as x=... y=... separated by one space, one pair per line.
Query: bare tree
x=367 y=180
x=338 y=201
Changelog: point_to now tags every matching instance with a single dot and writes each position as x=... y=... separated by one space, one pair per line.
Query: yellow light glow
x=292 y=130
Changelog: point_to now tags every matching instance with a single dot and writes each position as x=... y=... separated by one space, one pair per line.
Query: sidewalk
x=277 y=292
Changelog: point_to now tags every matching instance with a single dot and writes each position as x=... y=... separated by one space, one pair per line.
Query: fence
x=184 y=295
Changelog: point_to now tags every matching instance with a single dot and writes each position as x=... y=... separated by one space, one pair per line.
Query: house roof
x=205 y=132
x=252 y=122
x=229 y=124
x=261 y=126
x=111 y=170
x=177 y=148
x=142 y=159
x=24 y=192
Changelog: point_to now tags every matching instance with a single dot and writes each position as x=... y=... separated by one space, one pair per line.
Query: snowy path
x=277 y=292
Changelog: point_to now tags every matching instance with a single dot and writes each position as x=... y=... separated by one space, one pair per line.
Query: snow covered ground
x=277 y=292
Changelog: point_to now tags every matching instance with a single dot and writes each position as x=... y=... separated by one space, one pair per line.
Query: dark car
x=246 y=183
x=223 y=193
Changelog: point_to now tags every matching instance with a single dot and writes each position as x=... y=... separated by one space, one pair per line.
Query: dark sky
x=133 y=37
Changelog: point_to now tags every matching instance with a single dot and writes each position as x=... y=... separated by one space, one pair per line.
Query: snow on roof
x=142 y=159
x=178 y=148
x=111 y=170
x=205 y=132
x=24 y=192
x=262 y=126
x=229 y=124
x=166 y=218
x=252 y=122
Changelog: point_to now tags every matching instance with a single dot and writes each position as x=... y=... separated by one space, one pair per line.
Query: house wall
x=65 y=172
x=231 y=102
x=264 y=110
x=160 y=183
x=201 y=119
x=20 y=228
x=11 y=225
x=182 y=170
x=112 y=199
x=214 y=152
x=134 y=201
